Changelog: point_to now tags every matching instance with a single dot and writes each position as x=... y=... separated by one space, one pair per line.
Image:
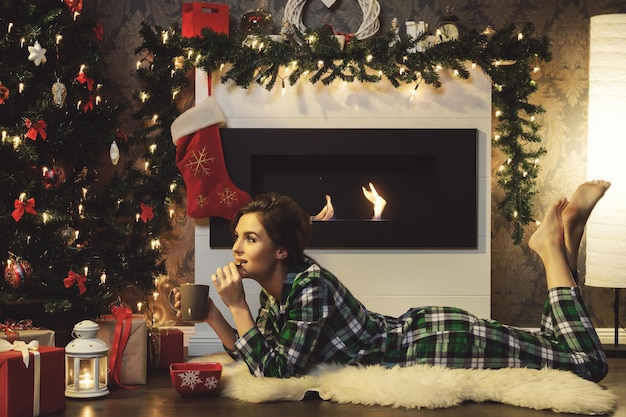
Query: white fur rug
x=421 y=386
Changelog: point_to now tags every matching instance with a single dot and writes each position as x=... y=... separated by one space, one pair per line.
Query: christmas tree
x=80 y=219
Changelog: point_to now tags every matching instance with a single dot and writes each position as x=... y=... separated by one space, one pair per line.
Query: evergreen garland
x=508 y=57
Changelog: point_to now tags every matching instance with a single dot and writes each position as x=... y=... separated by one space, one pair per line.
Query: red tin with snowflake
x=195 y=379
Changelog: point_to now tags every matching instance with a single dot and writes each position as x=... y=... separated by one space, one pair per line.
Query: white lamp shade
x=606 y=151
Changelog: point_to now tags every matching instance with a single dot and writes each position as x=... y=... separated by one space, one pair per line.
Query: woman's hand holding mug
x=190 y=301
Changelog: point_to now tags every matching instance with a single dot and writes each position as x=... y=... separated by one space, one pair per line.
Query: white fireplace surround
x=386 y=281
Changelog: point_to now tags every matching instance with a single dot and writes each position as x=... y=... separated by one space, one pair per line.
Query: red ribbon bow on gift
x=27 y=206
x=24 y=324
x=73 y=277
x=147 y=213
x=11 y=328
x=123 y=323
x=10 y=332
x=122 y=312
x=37 y=128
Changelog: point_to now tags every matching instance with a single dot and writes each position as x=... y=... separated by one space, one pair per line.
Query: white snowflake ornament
x=37 y=54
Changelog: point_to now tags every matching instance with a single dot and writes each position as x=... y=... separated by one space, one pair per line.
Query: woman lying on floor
x=308 y=316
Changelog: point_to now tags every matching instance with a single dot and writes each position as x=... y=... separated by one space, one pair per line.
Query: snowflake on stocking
x=200 y=162
x=228 y=197
x=202 y=200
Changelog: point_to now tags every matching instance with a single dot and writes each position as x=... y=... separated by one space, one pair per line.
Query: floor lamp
x=606 y=153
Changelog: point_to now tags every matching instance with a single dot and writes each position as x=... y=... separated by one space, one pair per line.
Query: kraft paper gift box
x=34 y=390
x=45 y=337
x=166 y=347
x=134 y=358
x=197 y=16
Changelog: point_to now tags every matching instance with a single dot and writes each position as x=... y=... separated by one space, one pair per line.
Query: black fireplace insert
x=428 y=178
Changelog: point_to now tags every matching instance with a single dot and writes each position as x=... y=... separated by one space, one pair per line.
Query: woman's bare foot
x=550 y=232
x=576 y=214
x=549 y=243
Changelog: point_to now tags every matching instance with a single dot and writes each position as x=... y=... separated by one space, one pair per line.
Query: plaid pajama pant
x=454 y=338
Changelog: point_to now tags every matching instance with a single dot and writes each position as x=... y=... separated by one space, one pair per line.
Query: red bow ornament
x=21 y=207
x=74 y=6
x=88 y=105
x=99 y=31
x=147 y=213
x=82 y=78
x=74 y=278
x=37 y=128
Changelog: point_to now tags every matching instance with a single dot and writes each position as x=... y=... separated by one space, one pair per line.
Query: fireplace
x=428 y=178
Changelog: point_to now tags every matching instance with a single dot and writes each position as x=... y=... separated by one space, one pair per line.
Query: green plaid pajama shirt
x=318 y=320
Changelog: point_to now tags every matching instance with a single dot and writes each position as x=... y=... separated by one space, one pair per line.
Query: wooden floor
x=157 y=398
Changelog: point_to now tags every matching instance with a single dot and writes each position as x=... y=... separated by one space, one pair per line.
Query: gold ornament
x=59 y=93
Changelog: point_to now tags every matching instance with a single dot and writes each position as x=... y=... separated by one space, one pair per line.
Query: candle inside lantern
x=86 y=381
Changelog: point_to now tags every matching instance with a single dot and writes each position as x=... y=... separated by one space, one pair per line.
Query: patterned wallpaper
x=518 y=285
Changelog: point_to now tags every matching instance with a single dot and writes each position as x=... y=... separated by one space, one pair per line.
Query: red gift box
x=36 y=390
x=166 y=347
x=204 y=15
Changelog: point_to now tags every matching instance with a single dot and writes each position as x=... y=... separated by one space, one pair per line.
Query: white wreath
x=369 y=27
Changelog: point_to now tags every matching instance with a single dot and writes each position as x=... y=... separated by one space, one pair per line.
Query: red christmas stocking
x=200 y=159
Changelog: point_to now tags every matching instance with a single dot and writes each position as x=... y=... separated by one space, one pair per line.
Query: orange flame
x=378 y=202
x=327 y=212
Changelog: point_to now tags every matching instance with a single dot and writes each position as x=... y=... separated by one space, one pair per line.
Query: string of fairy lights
x=510 y=57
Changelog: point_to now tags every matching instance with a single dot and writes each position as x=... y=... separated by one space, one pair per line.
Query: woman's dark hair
x=286 y=223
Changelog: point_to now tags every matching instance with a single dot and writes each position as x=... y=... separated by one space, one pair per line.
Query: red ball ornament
x=53 y=176
x=4 y=93
x=18 y=273
x=74 y=6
